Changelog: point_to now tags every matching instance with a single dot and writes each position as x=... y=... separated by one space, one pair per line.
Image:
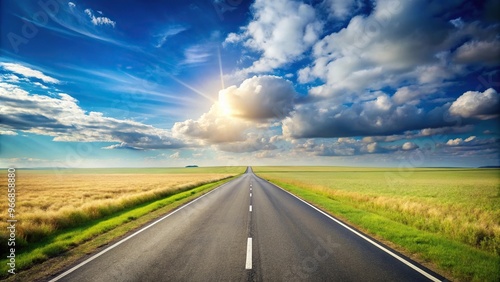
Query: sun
x=224 y=106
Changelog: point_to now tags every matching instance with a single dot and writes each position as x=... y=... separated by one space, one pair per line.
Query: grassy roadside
x=49 y=201
x=462 y=262
x=67 y=246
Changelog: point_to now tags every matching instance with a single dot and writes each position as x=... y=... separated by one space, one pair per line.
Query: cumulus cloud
x=412 y=94
x=62 y=118
x=460 y=141
x=341 y=9
x=390 y=47
x=479 y=52
x=239 y=112
x=239 y=121
x=212 y=127
x=281 y=31
x=28 y=72
x=408 y=146
x=474 y=104
x=259 y=97
x=380 y=116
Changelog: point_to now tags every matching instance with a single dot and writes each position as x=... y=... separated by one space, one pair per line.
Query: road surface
x=247 y=230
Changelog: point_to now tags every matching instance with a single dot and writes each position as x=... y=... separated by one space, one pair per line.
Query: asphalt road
x=246 y=230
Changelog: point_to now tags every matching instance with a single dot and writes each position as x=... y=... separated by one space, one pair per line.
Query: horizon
x=217 y=83
x=212 y=166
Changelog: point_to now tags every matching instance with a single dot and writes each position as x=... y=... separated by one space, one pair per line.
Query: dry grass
x=47 y=202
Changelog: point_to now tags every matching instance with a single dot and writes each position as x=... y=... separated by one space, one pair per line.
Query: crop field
x=51 y=200
x=460 y=205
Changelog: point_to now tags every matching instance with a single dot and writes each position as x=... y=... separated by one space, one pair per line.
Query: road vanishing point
x=247 y=230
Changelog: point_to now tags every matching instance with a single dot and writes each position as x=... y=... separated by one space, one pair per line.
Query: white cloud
x=62 y=118
x=341 y=9
x=407 y=94
x=281 y=31
x=454 y=142
x=473 y=104
x=28 y=72
x=7 y=132
x=392 y=47
x=99 y=20
x=212 y=127
x=76 y=20
x=12 y=78
x=175 y=155
x=196 y=54
x=40 y=85
x=470 y=138
x=239 y=120
x=407 y=146
x=460 y=141
x=169 y=32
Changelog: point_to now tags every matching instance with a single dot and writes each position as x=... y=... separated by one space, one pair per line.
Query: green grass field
x=449 y=218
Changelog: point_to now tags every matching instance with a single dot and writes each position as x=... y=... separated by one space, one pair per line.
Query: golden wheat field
x=47 y=201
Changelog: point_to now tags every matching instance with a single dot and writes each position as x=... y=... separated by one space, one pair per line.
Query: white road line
x=250 y=194
x=131 y=236
x=407 y=263
x=250 y=207
x=248 y=264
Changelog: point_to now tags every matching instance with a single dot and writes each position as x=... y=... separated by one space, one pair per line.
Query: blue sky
x=234 y=82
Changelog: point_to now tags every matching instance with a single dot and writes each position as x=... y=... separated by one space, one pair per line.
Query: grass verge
x=462 y=262
x=59 y=250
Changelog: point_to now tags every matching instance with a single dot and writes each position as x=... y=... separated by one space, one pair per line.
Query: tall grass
x=85 y=238
x=48 y=202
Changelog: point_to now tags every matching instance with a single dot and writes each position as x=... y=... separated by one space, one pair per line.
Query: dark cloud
x=470 y=146
x=252 y=143
x=370 y=118
x=348 y=147
x=259 y=97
